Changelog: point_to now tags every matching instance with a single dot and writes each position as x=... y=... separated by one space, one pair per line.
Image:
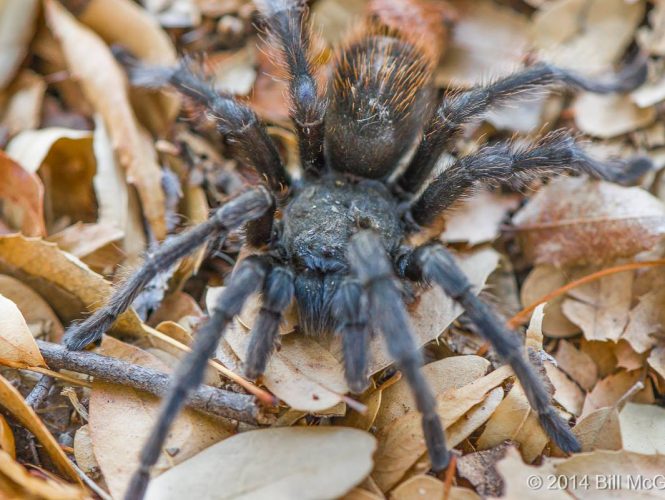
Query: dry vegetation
x=93 y=174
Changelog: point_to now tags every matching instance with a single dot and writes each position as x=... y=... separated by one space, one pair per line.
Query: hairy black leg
x=277 y=295
x=244 y=208
x=387 y=313
x=508 y=162
x=235 y=120
x=286 y=23
x=245 y=280
x=433 y=263
x=350 y=309
x=451 y=115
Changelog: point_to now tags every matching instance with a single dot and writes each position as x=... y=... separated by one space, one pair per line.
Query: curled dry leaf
x=516 y=476
x=17 y=24
x=121 y=419
x=566 y=392
x=21 y=197
x=589 y=35
x=643 y=429
x=576 y=364
x=610 y=390
x=287 y=462
x=83 y=452
x=18 y=348
x=574 y=220
x=12 y=401
x=105 y=86
x=37 y=312
x=23 y=107
x=646 y=321
x=18 y=482
x=600 y=430
x=401 y=444
x=67 y=284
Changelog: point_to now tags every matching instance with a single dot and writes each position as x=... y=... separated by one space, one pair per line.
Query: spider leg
x=507 y=162
x=350 y=308
x=277 y=295
x=434 y=263
x=235 y=120
x=387 y=313
x=451 y=115
x=246 y=279
x=286 y=22
x=244 y=208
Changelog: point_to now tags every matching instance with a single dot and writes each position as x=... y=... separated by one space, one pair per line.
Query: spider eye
x=365 y=222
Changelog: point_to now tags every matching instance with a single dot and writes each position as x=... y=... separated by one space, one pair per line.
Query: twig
x=523 y=315
x=40 y=391
x=207 y=399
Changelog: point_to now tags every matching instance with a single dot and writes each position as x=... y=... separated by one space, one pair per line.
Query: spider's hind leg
x=388 y=315
x=246 y=207
x=433 y=263
x=245 y=280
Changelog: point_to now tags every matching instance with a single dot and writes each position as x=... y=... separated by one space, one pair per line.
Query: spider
x=336 y=239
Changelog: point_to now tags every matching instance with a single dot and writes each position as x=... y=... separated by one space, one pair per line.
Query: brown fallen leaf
x=12 y=401
x=401 y=443
x=576 y=364
x=287 y=462
x=17 y=482
x=479 y=469
x=23 y=104
x=610 y=116
x=364 y=421
x=646 y=321
x=18 y=348
x=517 y=479
x=22 y=197
x=105 y=86
x=574 y=220
x=643 y=429
x=586 y=35
x=610 y=390
x=119 y=411
x=7 y=442
x=601 y=308
x=566 y=392
x=489 y=40
x=83 y=452
x=37 y=312
x=17 y=25
x=422 y=486
x=599 y=430
x=67 y=284
x=95 y=244
x=602 y=355
x=542 y=280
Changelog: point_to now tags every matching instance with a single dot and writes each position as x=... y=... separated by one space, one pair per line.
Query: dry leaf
x=7 y=442
x=575 y=221
x=423 y=487
x=478 y=219
x=656 y=360
x=288 y=462
x=401 y=443
x=27 y=485
x=588 y=35
x=566 y=392
x=17 y=20
x=542 y=280
x=601 y=308
x=608 y=391
x=608 y=116
x=21 y=198
x=643 y=429
x=517 y=479
x=577 y=364
x=105 y=86
x=83 y=452
x=600 y=430
x=646 y=320
x=442 y=375
x=515 y=420
x=117 y=410
x=18 y=348
x=67 y=284
x=23 y=108
x=12 y=401
x=489 y=41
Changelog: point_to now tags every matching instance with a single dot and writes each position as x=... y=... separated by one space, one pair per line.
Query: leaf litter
x=83 y=195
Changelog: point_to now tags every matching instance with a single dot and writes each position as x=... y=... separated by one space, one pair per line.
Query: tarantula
x=337 y=238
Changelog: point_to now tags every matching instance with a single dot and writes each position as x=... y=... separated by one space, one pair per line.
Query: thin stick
x=264 y=396
x=522 y=316
x=39 y=391
x=207 y=399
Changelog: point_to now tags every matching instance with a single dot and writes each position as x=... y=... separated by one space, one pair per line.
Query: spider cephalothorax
x=337 y=239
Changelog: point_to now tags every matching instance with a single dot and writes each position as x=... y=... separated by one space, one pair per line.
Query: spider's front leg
x=433 y=263
x=248 y=277
x=387 y=314
x=247 y=207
